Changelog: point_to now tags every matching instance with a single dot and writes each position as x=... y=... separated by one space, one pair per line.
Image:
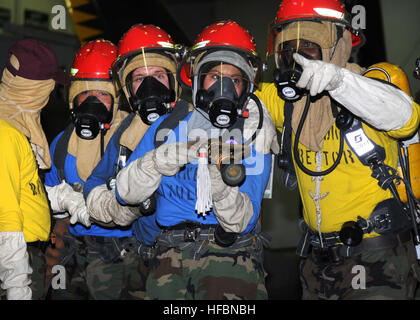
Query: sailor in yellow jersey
x=350 y=188
x=27 y=81
x=318 y=51
x=23 y=203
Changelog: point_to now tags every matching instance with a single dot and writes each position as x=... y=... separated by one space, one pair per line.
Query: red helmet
x=158 y=49
x=290 y=10
x=224 y=35
x=93 y=60
x=312 y=10
x=144 y=38
x=91 y=69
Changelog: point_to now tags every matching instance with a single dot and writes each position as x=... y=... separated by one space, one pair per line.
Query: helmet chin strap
x=332 y=52
x=103 y=131
x=339 y=36
x=144 y=60
x=297 y=43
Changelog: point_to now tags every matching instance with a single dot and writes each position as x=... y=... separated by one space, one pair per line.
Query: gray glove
x=232 y=208
x=169 y=158
x=103 y=206
x=138 y=181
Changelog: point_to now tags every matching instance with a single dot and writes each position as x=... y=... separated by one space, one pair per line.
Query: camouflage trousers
x=218 y=273
x=371 y=275
x=89 y=277
x=37 y=263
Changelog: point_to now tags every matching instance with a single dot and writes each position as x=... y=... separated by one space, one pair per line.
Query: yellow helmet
x=390 y=73
x=394 y=74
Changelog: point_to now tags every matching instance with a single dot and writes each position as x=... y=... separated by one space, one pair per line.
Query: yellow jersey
x=23 y=202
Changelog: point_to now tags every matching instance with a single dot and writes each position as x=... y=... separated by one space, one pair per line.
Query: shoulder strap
x=287 y=127
x=289 y=177
x=179 y=113
x=60 y=152
x=123 y=152
x=123 y=126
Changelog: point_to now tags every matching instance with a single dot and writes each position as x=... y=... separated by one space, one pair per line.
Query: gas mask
x=285 y=80
x=288 y=71
x=221 y=102
x=152 y=100
x=90 y=117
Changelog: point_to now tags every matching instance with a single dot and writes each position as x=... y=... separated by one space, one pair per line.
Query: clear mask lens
x=309 y=37
x=210 y=75
x=306 y=48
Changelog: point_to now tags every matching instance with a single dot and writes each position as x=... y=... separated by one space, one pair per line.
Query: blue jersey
x=71 y=177
x=176 y=195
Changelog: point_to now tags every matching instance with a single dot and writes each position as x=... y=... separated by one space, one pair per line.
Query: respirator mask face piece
x=90 y=117
x=218 y=94
x=288 y=71
x=152 y=99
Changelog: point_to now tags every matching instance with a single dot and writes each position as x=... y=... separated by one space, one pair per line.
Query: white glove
x=318 y=76
x=63 y=198
x=267 y=137
x=14 y=266
x=79 y=214
x=232 y=208
x=103 y=206
x=138 y=181
x=380 y=105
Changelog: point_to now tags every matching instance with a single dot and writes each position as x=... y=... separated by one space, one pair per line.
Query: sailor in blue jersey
x=209 y=248
x=177 y=193
x=91 y=253
x=145 y=70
